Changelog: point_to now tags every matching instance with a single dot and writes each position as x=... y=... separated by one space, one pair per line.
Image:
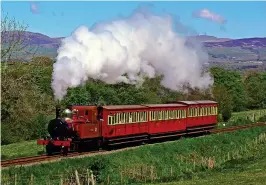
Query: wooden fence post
x=61 y=180
x=92 y=178
x=151 y=173
x=108 y=180
x=141 y=172
x=77 y=177
x=121 y=177
x=88 y=176
x=48 y=181
x=15 y=179
x=31 y=179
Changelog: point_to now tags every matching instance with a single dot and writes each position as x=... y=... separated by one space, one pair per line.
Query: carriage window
x=110 y=120
x=126 y=117
x=170 y=114
x=134 y=117
x=87 y=112
x=173 y=114
x=129 y=117
x=151 y=115
x=114 y=119
x=156 y=115
x=122 y=119
x=117 y=118
x=146 y=116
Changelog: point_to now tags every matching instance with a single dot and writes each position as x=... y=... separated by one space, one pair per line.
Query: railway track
x=45 y=158
x=230 y=129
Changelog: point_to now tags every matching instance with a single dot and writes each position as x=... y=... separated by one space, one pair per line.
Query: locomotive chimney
x=57 y=112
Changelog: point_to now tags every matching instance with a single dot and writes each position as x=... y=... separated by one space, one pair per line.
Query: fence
x=187 y=165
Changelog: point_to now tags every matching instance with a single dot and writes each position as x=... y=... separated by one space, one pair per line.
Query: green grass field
x=173 y=161
x=250 y=171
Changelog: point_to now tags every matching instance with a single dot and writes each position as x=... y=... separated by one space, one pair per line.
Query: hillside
x=219 y=49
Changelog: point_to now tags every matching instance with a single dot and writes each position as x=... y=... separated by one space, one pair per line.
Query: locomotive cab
x=86 y=121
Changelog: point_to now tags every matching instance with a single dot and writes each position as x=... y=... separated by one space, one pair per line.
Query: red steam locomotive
x=83 y=127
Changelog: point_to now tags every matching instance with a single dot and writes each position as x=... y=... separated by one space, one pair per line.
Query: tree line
x=28 y=103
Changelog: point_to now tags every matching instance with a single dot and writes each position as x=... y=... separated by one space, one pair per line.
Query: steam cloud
x=138 y=46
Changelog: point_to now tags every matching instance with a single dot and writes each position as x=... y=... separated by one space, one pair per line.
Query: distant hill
x=243 y=43
x=207 y=38
x=219 y=49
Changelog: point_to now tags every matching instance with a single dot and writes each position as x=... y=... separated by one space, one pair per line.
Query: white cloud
x=209 y=15
x=34 y=8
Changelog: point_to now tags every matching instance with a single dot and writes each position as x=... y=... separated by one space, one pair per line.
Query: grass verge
x=21 y=149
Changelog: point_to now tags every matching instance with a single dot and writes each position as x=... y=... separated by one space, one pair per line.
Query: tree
x=14 y=42
x=232 y=81
x=224 y=100
x=255 y=85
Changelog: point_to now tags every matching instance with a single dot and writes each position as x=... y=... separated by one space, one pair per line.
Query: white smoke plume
x=138 y=46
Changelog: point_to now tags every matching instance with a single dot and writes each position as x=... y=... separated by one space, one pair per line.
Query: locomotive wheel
x=50 y=149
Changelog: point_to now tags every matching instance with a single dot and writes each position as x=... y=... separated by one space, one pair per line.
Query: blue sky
x=220 y=19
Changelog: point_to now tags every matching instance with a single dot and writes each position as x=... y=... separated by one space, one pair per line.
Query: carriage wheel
x=64 y=151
